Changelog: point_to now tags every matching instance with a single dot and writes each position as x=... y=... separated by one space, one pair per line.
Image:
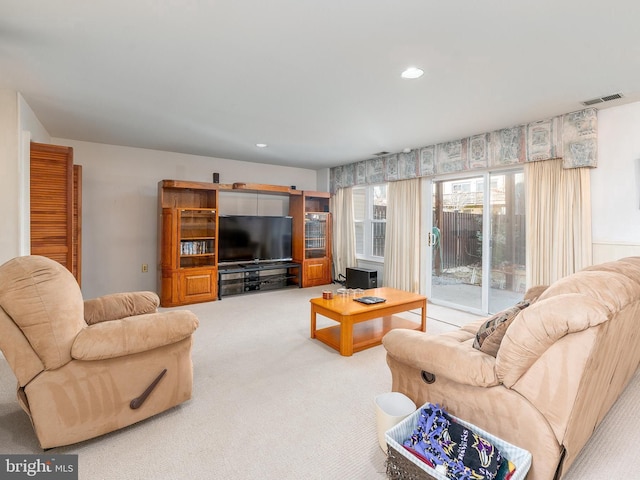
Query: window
x=370 y=218
x=461 y=187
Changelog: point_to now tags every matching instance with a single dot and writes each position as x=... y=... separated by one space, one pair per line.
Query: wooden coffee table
x=363 y=326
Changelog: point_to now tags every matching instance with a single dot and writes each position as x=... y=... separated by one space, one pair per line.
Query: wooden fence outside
x=461 y=240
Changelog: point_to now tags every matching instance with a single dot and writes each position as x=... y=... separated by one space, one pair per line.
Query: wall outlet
x=145 y=268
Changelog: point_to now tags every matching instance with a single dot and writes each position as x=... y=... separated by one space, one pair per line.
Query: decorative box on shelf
x=403 y=465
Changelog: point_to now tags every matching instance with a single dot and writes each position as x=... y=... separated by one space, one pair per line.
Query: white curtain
x=402 y=236
x=344 y=234
x=558 y=221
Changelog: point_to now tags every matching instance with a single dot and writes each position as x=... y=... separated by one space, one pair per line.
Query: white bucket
x=391 y=409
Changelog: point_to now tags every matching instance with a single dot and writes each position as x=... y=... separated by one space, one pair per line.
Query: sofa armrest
x=131 y=335
x=119 y=305
x=450 y=355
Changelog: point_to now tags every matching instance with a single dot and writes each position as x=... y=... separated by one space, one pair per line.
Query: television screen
x=250 y=238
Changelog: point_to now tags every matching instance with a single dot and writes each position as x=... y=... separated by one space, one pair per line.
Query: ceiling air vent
x=606 y=98
x=615 y=96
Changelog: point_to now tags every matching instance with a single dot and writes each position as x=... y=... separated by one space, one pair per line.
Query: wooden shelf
x=312 y=237
x=259 y=188
x=187 y=250
x=365 y=334
x=240 y=187
x=188 y=185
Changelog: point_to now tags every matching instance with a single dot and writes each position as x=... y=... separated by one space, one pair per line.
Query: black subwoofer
x=362 y=278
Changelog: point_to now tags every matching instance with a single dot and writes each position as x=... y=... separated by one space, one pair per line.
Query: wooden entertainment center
x=188 y=270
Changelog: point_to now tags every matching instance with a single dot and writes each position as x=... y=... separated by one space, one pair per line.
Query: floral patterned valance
x=572 y=137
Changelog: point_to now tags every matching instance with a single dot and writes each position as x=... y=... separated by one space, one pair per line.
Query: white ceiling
x=317 y=80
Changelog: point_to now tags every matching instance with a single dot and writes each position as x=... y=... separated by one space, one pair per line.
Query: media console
x=192 y=266
x=248 y=277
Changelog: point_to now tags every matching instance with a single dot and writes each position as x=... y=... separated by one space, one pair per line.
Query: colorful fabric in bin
x=440 y=440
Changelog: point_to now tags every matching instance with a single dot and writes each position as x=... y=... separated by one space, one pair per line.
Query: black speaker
x=216 y=177
x=362 y=278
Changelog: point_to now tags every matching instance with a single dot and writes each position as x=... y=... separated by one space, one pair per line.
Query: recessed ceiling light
x=412 y=72
x=261 y=145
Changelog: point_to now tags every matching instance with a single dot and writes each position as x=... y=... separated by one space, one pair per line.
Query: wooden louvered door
x=55 y=205
x=76 y=234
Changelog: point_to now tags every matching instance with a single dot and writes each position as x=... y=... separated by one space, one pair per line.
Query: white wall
x=30 y=124
x=10 y=177
x=119 y=206
x=615 y=184
x=30 y=130
x=323 y=182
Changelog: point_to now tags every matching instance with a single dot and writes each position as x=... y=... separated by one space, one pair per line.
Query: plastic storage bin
x=402 y=465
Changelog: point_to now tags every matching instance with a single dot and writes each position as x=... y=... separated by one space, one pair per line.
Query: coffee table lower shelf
x=366 y=334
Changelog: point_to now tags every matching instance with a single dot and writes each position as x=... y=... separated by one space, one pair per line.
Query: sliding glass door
x=507 y=249
x=465 y=270
x=456 y=242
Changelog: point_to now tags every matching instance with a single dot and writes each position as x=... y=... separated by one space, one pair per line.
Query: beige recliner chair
x=88 y=368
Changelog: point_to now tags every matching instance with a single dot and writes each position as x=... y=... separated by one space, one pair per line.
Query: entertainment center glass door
x=315 y=235
x=197 y=238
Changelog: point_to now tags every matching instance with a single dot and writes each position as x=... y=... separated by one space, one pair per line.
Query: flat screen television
x=253 y=238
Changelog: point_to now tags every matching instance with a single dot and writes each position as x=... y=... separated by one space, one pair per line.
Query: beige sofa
x=88 y=368
x=560 y=366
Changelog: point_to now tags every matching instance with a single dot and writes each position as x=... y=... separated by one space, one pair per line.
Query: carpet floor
x=271 y=403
